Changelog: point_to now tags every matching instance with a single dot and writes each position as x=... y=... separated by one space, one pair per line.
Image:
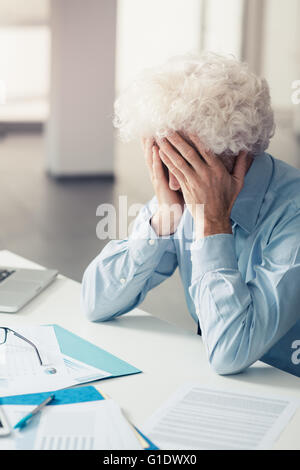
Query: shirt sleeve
x=118 y=279
x=241 y=321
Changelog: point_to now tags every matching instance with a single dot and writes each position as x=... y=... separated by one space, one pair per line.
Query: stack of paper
x=79 y=421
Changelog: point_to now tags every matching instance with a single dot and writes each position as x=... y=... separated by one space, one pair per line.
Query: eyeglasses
x=3 y=337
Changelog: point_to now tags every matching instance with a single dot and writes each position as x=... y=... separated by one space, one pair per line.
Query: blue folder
x=65 y=397
x=62 y=397
x=84 y=351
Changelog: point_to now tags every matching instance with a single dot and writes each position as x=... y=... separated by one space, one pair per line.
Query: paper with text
x=83 y=373
x=197 y=417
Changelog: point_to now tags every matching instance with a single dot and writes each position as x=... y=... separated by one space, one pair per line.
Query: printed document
x=197 y=417
x=83 y=373
x=20 y=369
x=97 y=425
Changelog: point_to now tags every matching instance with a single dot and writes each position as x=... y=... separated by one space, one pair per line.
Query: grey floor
x=54 y=222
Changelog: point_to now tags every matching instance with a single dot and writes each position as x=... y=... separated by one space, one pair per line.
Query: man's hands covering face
x=204 y=180
x=170 y=203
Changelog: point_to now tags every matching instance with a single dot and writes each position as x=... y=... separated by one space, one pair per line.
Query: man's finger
x=176 y=159
x=208 y=156
x=157 y=165
x=241 y=166
x=148 y=152
x=186 y=150
x=172 y=168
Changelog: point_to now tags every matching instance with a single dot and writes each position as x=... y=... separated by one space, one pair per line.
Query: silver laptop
x=18 y=286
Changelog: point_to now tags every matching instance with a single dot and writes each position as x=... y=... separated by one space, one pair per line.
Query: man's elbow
x=92 y=309
x=93 y=302
x=225 y=369
x=224 y=364
x=93 y=313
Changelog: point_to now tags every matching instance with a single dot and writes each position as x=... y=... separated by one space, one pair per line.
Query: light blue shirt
x=243 y=288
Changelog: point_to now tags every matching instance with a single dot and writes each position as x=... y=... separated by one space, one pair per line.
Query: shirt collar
x=249 y=201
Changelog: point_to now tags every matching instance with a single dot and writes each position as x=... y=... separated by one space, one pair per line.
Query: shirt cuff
x=213 y=253
x=145 y=245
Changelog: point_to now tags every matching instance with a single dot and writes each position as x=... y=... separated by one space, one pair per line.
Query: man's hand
x=170 y=203
x=204 y=180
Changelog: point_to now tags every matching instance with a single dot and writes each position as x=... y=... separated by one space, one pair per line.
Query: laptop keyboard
x=4 y=274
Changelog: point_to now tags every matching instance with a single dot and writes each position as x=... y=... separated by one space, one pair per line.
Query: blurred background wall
x=61 y=64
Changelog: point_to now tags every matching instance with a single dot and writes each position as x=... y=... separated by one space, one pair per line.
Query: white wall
x=24 y=61
x=280 y=55
x=150 y=31
x=223 y=26
x=20 y=12
x=79 y=130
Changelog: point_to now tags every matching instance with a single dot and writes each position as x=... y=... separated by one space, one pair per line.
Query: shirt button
x=122 y=280
x=151 y=242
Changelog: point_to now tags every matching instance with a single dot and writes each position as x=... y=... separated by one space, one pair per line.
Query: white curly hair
x=215 y=97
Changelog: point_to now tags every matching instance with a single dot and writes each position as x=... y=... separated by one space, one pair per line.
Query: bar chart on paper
x=67 y=443
x=97 y=425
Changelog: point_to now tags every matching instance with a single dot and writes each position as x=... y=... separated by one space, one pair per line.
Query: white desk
x=167 y=356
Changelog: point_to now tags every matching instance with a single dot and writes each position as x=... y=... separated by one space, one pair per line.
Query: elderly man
x=205 y=124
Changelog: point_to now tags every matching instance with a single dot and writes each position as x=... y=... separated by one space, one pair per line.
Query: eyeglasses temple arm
x=28 y=341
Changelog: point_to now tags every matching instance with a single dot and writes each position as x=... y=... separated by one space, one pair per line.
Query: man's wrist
x=209 y=227
x=165 y=222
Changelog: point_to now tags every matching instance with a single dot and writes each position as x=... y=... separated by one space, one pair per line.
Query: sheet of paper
x=98 y=425
x=83 y=373
x=198 y=417
x=19 y=440
x=20 y=369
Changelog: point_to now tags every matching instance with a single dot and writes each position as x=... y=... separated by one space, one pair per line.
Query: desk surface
x=167 y=355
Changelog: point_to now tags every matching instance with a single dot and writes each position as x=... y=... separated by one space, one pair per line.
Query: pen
x=22 y=423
